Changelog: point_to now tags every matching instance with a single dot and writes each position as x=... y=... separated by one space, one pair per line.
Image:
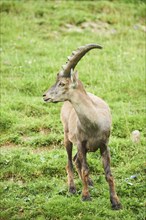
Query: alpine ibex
x=87 y=123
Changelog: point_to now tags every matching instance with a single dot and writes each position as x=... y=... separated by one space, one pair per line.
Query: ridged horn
x=76 y=56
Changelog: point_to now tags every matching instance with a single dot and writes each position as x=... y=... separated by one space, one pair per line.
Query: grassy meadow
x=36 y=38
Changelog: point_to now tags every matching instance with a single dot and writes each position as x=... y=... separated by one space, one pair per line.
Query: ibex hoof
x=72 y=190
x=116 y=206
x=86 y=198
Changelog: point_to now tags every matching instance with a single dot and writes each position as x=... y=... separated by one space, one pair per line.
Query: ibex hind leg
x=109 y=178
x=78 y=168
x=69 y=167
x=84 y=170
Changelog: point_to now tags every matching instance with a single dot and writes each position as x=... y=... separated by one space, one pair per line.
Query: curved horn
x=76 y=56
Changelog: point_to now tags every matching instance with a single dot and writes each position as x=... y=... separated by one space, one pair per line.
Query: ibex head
x=61 y=90
x=67 y=79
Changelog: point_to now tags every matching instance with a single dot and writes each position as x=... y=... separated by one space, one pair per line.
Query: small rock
x=21 y=210
x=135 y=136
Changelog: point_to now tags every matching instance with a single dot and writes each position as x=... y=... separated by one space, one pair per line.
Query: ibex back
x=87 y=123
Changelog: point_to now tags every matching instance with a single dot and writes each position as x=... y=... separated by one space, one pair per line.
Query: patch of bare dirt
x=8 y=146
x=40 y=150
x=99 y=27
x=43 y=149
x=44 y=131
x=72 y=28
x=26 y=138
x=19 y=182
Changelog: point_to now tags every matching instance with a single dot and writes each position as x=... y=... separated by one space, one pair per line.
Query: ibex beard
x=86 y=120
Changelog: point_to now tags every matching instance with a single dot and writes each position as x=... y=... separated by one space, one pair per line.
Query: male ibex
x=87 y=123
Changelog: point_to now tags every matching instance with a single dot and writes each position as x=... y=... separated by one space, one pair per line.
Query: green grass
x=36 y=38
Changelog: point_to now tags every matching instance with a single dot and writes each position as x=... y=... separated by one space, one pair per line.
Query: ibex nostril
x=44 y=95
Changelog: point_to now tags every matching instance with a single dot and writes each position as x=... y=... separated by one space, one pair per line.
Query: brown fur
x=87 y=123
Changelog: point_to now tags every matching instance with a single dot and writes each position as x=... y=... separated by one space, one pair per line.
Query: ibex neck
x=85 y=109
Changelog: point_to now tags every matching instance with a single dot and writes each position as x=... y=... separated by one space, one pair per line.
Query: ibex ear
x=74 y=78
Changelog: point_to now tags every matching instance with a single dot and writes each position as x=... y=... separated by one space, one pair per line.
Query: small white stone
x=135 y=136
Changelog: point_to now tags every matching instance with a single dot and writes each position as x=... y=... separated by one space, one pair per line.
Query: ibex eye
x=61 y=84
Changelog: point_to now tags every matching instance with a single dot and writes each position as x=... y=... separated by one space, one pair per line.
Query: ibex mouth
x=48 y=100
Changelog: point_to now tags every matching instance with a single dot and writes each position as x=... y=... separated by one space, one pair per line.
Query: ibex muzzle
x=86 y=120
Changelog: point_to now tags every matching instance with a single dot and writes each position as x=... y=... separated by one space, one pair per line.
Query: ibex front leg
x=81 y=156
x=109 y=178
x=69 y=167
